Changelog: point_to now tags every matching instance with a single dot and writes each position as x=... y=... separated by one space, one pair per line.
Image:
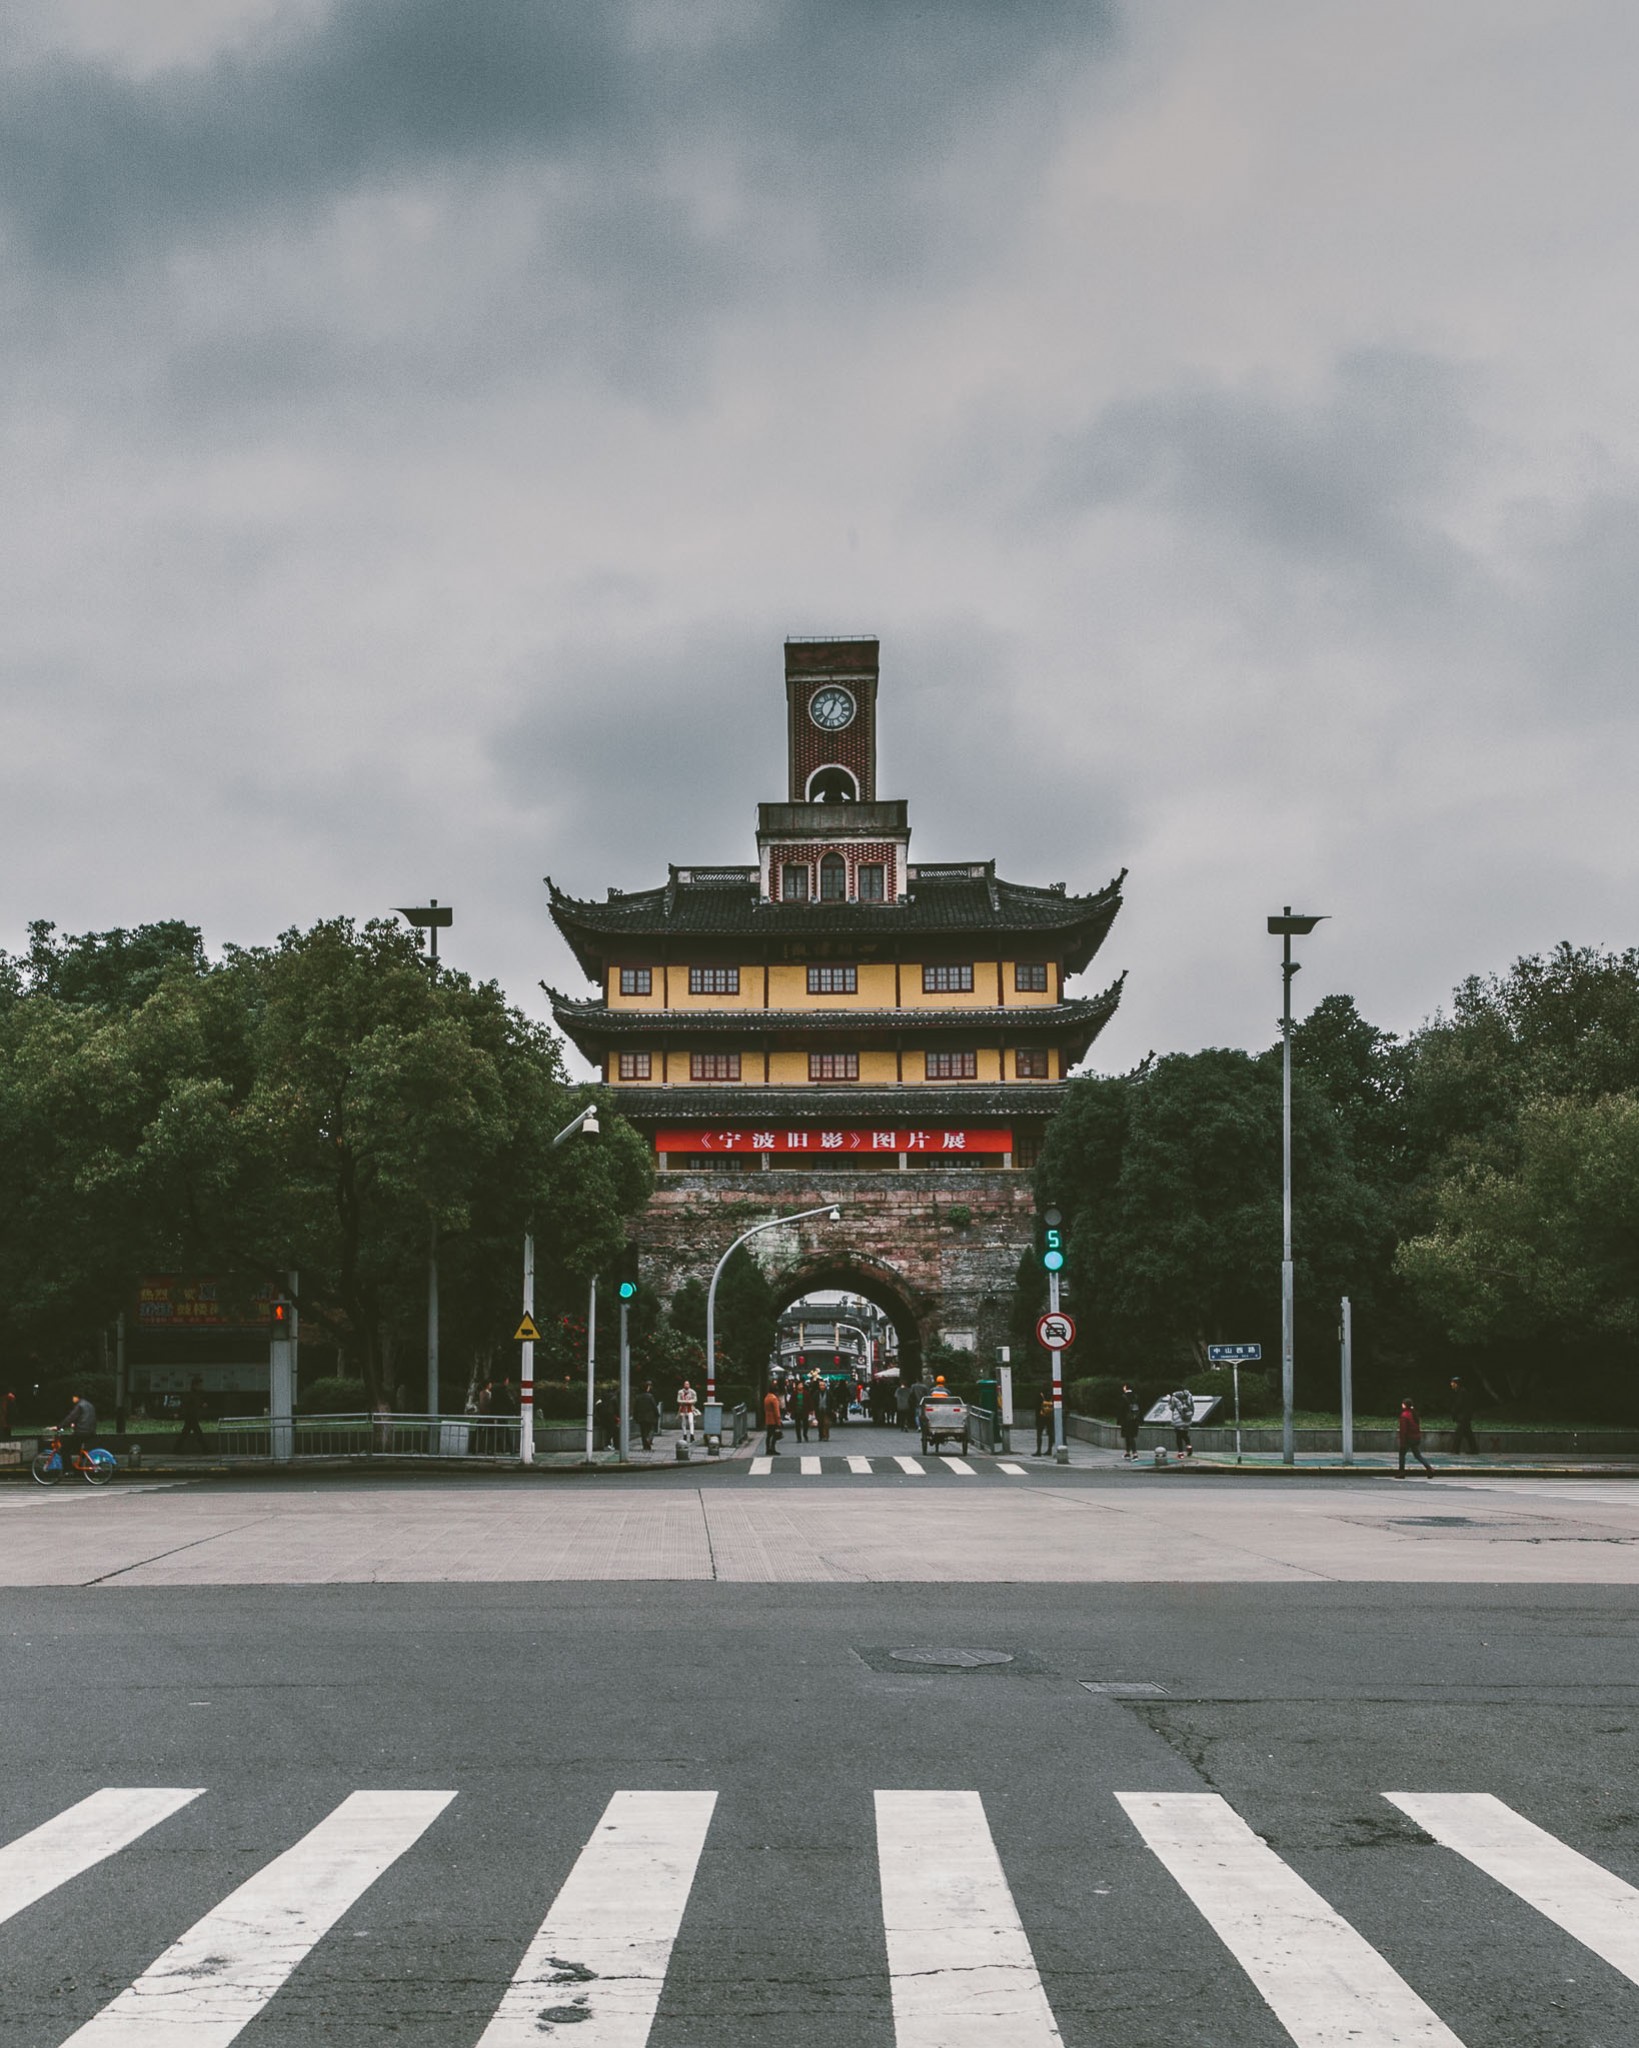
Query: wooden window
x=714 y=1066
x=833 y=879
x=637 y=981
x=872 y=882
x=833 y=1066
x=794 y=882
x=1027 y=1148
x=939 y=981
x=714 y=981
x=1031 y=1063
x=635 y=1066
x=1030 y=977
x=953 y=1066
x=833 y=981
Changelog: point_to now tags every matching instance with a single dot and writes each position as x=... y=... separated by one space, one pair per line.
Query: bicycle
x=95 y=1466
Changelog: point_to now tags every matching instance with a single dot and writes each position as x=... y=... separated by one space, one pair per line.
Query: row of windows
x=1031 y=1064
x=797 y=881
x=1029 y=976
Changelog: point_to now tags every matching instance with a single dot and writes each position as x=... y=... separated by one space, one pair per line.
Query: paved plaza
x=1039 y=1524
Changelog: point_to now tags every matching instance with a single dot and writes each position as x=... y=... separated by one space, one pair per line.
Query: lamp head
x=589 y=1123
x=1295 y=927
x=836 y=1216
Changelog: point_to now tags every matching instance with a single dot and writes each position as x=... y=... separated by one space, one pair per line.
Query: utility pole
x=122 y=1383
x=526 y=1366
x=1345 y=1334
x=624 y=1438
x=591 y=1367
x=432 y=1324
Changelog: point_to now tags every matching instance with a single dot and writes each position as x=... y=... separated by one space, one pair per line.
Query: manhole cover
x=955 y=1660
x=1125 y=1688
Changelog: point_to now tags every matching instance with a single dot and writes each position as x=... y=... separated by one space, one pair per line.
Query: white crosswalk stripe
x=1326 y=1984
x=859 y=1465
x=909 y=1465
x=208 y=1986
x=1012 y=1471
x=959 y=1963
x=761 y=1467
x=98 y=1827
x=599 y=1959
x=810 y=1467
x=958 y=1465
x=1591 y=1903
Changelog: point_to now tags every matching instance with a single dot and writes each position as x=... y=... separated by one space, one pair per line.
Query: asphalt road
x=1296 y=1706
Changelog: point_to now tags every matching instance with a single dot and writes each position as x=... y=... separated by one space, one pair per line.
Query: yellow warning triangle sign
x=526 y=1332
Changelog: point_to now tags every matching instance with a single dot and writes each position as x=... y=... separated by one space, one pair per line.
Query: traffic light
x=281 y=1319
x=1052 y=1240
x=626 y=1277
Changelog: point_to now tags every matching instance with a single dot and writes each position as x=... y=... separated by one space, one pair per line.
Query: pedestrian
x=1044 y=1424
x=193 y=1414
x=771 y=1423
x=646 y=1414
x=1462 y=1415
x=506 y=1399
x=1183 y=1418
x=1411 y=1439
x=822 y=1409
x=902 y=1405
x=606 y=1421
x=688 y=1407
x=1129 y=1413
x=8 y=1404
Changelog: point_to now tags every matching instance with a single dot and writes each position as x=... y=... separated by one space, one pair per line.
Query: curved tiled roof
x=946 y=901
x=973 y=1103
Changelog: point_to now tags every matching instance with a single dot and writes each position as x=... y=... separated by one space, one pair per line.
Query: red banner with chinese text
x=932 y=1138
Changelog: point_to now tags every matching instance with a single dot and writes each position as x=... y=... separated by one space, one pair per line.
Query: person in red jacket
x=772 y=1417
x=1411 y=1439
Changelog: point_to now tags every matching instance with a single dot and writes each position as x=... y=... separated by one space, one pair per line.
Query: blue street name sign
x=1232 y=1354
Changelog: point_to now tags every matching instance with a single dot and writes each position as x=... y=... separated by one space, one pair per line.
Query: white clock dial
x=831 y=708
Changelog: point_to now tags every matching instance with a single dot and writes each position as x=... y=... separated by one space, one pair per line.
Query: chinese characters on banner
x=166 y=1302
x=753 y=1140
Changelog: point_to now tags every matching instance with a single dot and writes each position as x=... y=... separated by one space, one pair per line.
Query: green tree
x=746 y=1320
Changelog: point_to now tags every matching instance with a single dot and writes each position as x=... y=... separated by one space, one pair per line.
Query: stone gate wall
x=900 y=1242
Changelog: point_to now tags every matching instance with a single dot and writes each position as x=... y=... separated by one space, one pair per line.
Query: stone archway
x=844 y=1272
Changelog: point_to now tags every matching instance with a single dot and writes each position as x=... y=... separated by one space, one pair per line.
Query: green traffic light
x=1053 y=1261
x=628 y=1290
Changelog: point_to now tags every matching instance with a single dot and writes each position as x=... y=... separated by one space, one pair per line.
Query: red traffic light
x=281 y=1318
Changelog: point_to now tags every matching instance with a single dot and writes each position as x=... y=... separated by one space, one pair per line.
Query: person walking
x=1044 y=1424
x=8 y=1407
x=646 y=1414
x=822 y=1410
x=1410 y=1437
x=1463 y=1405
x=193 y=1415
x=606 y=1422
x=902 y=1405
x=771 y=1423
x=1129 y=1413
x=1183 y=1420
x=688 y=1408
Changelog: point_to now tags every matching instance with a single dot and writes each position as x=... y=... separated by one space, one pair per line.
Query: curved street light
x=825 y=1209
x=1286 y=928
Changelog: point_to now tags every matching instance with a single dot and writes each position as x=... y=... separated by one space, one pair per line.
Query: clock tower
x=830 y=711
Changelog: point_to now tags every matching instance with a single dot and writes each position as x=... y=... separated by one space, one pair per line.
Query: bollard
x=682 y=1453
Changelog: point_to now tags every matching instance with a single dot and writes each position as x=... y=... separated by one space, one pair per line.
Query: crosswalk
x=961 y=1969
x=814 y=1467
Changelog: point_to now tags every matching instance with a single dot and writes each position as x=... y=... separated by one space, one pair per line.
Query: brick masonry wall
x=855 y=853
x=896 y=1243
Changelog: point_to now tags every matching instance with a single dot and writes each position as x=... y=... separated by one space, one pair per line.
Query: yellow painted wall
x=1023 y=996
x=788 y=988
x=653 y=1001
x=982 y=997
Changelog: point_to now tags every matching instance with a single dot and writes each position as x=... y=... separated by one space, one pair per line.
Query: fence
x=1265 y=1440
x=378 y=1435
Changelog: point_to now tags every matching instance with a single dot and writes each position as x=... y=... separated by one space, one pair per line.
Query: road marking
x=98 y=1827
x=599 y=1960
x=1013 y=1471
x=1324 y=1982
x=908 y=1464
x=208 y=1986
x=810 y=1469
x=859 y=1464
x=1588 y=1901
x=761 y=1467
x=959 y=1963
x=960 y=1465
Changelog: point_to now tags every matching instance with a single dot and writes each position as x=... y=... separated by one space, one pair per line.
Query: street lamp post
x=432 y=917
x=773 y=1223
x=1286 y=927
x=584 y=1125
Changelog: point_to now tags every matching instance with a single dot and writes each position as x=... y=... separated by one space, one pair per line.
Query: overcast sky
x=424 y=419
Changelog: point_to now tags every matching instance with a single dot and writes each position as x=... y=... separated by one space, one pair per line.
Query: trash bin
x=454 y=1439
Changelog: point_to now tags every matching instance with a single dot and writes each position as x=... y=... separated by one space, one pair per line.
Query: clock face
x=831 y=708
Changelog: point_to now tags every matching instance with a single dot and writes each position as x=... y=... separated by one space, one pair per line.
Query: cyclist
x=79 y=1427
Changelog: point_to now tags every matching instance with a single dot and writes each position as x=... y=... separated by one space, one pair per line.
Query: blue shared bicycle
x=95 y=1466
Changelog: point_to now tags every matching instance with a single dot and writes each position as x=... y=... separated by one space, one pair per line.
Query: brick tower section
x=814 y=665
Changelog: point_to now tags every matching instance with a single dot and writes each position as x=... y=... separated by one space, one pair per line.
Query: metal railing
x=378 y=1435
